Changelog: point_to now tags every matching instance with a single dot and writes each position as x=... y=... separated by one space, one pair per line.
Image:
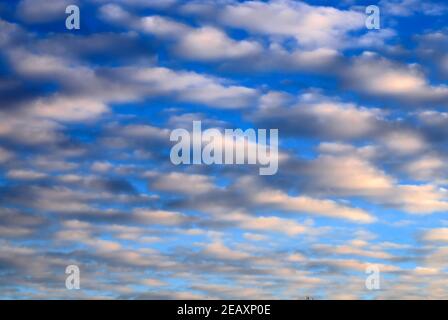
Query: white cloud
x=162 y=217
x=28 y=130
x=312 y=26
x=66 y=108
x=404 y=142
x=183 y=183
x=304 y=204
x=193 y=87
x=164 y=27
x=378 y=76
x=437 y=235
x=347 y=175
x=209 y=43
x=101 y=166
x=419 y=199
x=266 y=224
x=406 y=8
x=351 y=175
x=219 y=250
x=25 y=174
x=42 y=11
x=352 y=251
x=320 y=116
x=426 y=167
x=93 y=90
x=204 y=43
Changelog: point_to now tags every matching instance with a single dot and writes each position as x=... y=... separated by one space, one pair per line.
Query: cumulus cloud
x=404 y=142
x=25 y=174
x=378 y=76
x=267 y=224
x=411 y=7
x=95 y=88
x=220 y=251
x=206 y=43
x=315 y=115
x=42 y=11
x=345 y=174
x=436 y=235
x=210 y=43
x=280 y=200
x=313 y=206
x=183 y=183
x=311 y=26
x=431 y=48
x=160 y=217
x=427 y=167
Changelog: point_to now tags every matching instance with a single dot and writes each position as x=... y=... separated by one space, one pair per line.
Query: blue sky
x=86 y=177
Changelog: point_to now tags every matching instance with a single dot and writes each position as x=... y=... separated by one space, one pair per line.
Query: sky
x=85 y=171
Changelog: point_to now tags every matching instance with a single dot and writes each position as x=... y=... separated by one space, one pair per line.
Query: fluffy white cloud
x=193 y=87
x=220 y=251
x=183 y=183
x=208 y=43
x=346 y=172
x=312 y=26
x=437 y=235
x=66 y=108
x=419 y=199
x=94 y=90
x=41 y=11
x=28 y=130
x=315 y=115
x=266 y=224
x=205 y=43
x=161 y=217
x=347 y=175
x=427 y=167
x=378 y=76
x=406 y=8
x=25 y=174
x=312 y=206
x=404 y=142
